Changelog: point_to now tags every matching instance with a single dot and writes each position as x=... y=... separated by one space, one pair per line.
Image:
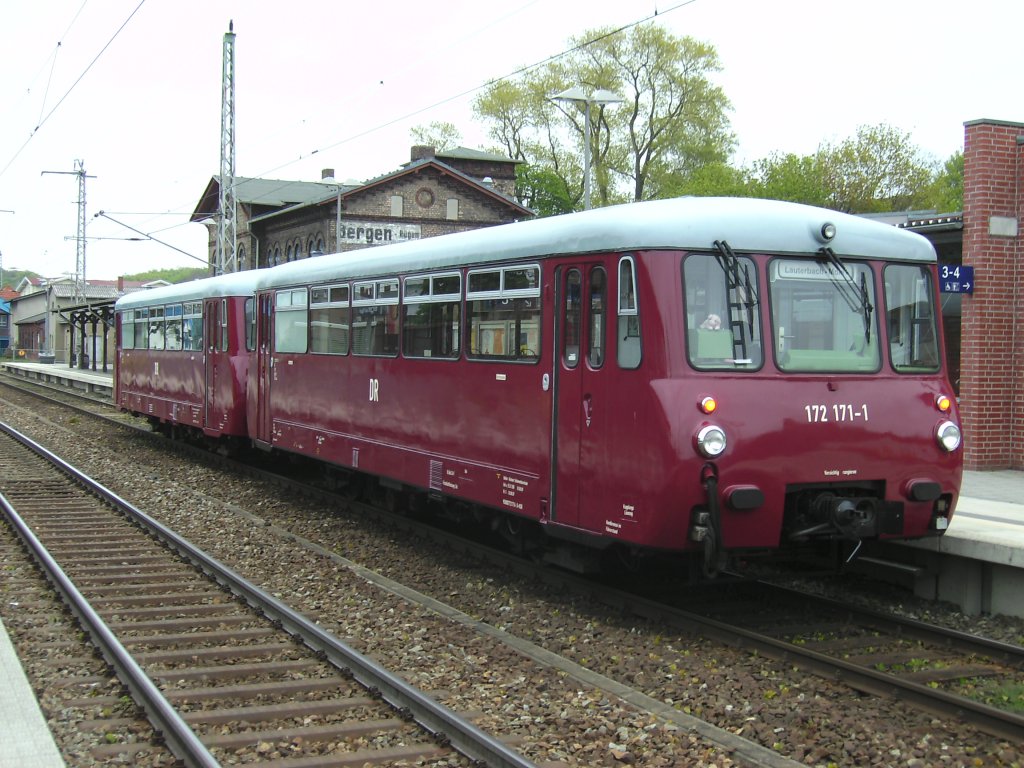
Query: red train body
x=697 y=374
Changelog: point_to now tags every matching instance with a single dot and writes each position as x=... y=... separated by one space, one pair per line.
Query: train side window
x=503 y=310
x=329 y=320
x=375 y=318
x=628 y=316
x=156 y=327
x=127 y=329
x=250 y=324
x=172 y=321
x=290 y=320
x=141 y=329
x=431 y=326
x=596 y=320
x=910 y=308
x=192 y=326
x=571 y=319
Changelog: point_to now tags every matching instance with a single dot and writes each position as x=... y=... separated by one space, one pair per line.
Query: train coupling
x=827 y=515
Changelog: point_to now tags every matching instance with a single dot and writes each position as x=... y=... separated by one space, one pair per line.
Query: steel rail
x=179 y=737
x=987 y=718
x=907 y=627
x=447 y=726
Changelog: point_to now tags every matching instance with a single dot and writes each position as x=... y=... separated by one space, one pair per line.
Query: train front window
x=823 y=316
x=910 y=308
x=723 y=323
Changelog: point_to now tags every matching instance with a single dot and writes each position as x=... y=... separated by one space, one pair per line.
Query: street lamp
x=577 y=95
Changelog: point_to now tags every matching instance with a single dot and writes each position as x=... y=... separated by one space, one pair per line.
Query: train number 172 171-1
x=817 y=414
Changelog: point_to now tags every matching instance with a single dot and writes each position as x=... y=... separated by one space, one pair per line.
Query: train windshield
x=723 y=324
x=823 y=315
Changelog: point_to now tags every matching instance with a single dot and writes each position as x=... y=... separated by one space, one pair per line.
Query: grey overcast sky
x=133 y=89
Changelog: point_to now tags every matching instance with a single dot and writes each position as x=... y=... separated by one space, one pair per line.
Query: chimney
x=120 y=284
x=327 y=173
x=421 y=152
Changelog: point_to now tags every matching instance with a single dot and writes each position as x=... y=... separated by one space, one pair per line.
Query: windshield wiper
x=855 y=296
x=737 y=280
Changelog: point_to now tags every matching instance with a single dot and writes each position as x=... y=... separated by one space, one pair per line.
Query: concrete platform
x=25 y=738
x=978 y=564
x=59 y=374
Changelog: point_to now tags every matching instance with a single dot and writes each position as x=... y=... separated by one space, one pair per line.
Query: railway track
x=931 y=667
x=219 y=667
x=889 y=662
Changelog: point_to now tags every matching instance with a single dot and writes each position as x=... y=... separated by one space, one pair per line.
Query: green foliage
x=878 y=169
x=790 y=177
x=14 y=276
x=946 y=192
x=172 y=275
x=544 y=191
x=441 y=136
x=713 y=179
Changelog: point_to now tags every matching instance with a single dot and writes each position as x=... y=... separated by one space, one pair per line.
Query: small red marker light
x=943 y=403
x=708 y=404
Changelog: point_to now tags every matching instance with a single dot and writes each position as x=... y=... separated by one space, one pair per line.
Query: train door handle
x=588 y=409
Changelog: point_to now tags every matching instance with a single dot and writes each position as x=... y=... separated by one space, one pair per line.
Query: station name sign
x=956 y=278
x=376 y=233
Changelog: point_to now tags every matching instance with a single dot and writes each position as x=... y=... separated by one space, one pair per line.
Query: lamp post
x=577 y=95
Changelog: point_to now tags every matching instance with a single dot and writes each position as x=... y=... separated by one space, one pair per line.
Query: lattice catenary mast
x=227 y=232
x=80 y=238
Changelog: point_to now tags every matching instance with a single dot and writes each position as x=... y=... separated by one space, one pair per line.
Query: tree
x=672 y=120
x=795 y=178
x=544 y=191
x=439 y=135
x=712 y=179
x=946 y=192
x=879 y=169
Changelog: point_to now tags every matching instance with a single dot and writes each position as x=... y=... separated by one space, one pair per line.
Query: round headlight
x=827 y=233
x=711 y=441
x=948 y=435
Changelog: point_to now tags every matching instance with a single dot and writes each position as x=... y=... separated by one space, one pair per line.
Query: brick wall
x=992 y=356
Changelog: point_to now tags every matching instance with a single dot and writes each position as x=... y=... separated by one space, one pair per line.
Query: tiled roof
x=64 y=290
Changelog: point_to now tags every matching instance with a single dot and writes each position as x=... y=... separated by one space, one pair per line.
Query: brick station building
x=992 y=317
x=435 y=193
x=984 y=327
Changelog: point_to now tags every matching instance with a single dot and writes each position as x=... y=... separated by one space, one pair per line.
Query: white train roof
x=747 y=224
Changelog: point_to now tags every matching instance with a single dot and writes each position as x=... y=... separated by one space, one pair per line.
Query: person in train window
x=712 y=323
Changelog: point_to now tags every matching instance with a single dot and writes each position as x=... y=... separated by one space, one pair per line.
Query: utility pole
x=80 y=238
x=227 y=232
x=2 y=210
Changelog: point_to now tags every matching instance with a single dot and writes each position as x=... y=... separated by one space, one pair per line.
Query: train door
x=582 y=409
x=214 y=334
x=264 y=366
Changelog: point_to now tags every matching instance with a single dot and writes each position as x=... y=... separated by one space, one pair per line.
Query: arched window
x=241 y=258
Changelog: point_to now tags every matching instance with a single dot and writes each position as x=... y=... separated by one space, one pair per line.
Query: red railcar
x=183 y=355
x=694 y=374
